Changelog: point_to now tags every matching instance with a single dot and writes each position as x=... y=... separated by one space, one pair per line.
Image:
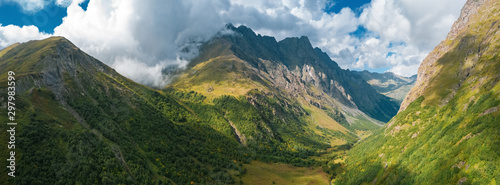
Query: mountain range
x=245 y=97
x=248 y=100
x=389 y=84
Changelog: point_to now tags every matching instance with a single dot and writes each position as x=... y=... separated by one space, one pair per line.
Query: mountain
x=246 y=97
x=291 y=66
x=80 y=122
x=447 y=130
x=388 y=83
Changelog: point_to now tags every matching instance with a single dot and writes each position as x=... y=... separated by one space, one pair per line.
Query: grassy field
x=277 y=173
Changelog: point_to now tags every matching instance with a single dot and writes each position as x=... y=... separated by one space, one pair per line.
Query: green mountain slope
x=388 y=83
x=236 y=63
x=80 y=122
x=448 y=129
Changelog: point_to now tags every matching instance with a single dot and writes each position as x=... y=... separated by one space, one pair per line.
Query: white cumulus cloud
x=63 y=3
x=134 y=35
x=408 y=30
x=30 y=6
x=11 y=34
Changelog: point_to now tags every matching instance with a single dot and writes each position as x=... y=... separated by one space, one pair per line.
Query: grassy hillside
x=80 y=122
x=241 y=62
x=288 y=64
x=450 y=134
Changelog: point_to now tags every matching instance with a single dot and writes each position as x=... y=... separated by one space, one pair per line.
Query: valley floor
x=278 y=173
x=328 y=163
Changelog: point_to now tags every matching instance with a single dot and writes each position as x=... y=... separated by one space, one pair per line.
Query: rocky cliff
x=429 y=67
x=293 y=64
x=447 y=129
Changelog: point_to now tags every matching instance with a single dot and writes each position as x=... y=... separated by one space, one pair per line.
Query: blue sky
x=45 y=19
x=139 y=38
x=355 y=5
x=52 y=14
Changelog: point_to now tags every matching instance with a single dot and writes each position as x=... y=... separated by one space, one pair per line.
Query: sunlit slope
x=450 y=134
x=238 y=63
x=80 y=122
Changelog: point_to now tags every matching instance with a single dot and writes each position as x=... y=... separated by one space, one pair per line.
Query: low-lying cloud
x=141 y=38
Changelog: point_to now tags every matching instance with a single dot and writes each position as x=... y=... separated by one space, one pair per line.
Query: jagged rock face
x=428 y=68
x=470 y=8
x=307 y=65
x=295 y=82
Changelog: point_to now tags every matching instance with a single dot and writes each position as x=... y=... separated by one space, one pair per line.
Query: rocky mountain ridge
x=428 y=69
x=308 y=66
x=76 y=115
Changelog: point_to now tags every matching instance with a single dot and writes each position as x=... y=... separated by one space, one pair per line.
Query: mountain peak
x=60 y=41
x=230 y=26
x=250 y=34
x=245 y=31
x=294 y=56
x=40 y=47
x=302 y=41
x=57 y=39
x=50 y=59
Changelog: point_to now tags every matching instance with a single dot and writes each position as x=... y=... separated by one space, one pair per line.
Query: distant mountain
x=447 y=130
x=388 y=83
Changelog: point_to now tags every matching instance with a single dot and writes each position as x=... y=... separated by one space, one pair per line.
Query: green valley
x=77 y=115
x=249 y=109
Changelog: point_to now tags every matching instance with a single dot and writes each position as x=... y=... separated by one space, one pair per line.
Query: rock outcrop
x=429 y=68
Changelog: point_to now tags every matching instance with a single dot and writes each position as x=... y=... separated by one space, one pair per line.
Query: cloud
x=63 y=3
x=150 y=35
x=399 y=33
x=30 y=6
x=11 y=34
x=407 y=28
x=145 y=35
x=33 y=6
x=146 y=74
